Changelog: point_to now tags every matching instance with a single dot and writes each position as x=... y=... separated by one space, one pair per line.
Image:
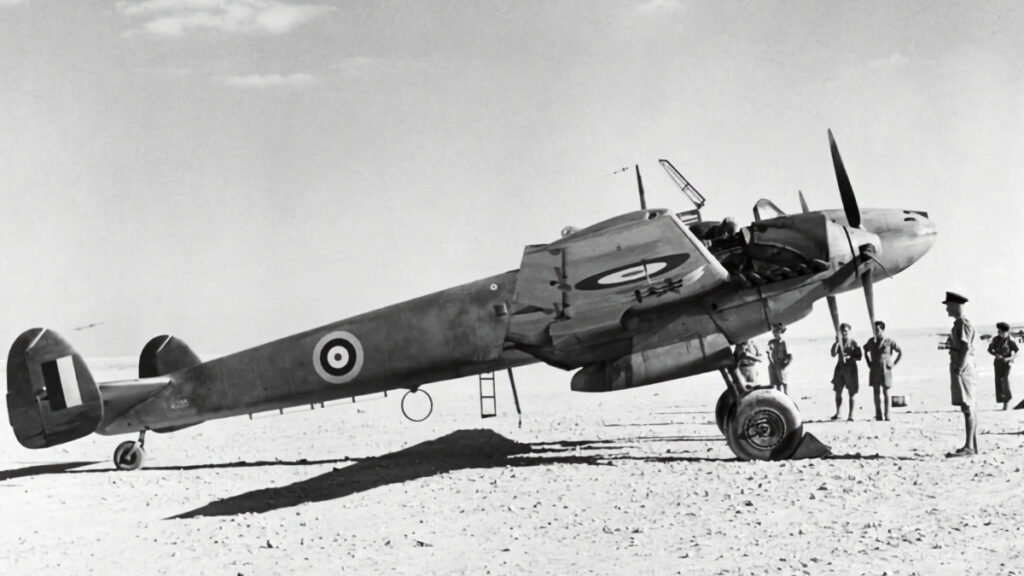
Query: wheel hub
x=765 y=429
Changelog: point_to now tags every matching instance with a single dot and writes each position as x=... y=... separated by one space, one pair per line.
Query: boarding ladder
x=488 y=396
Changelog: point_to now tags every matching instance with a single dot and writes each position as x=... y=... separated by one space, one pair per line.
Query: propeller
x=845 y=188
x=640 y=186
x=867 y=251
x=803 y=202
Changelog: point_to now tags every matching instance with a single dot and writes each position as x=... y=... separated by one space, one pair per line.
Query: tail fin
x=51 y=396
x=165 y=354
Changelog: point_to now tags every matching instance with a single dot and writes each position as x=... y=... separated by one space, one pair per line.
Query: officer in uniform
x=878 y=353
x=962 y=376
x=779 y=359
x=747 y=357
x=845 y=374
x=1004 y=350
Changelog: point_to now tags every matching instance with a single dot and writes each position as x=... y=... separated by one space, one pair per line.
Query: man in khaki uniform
x=747 y=356
x=1004 y=350
x=962 y=376
x=845 y=374
x=779 y=359
x=879 y=353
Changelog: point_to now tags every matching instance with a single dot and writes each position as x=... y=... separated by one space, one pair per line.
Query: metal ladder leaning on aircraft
x=644 y=297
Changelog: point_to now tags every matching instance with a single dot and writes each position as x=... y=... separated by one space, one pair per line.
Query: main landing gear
x=763 y=423
x=130 y=455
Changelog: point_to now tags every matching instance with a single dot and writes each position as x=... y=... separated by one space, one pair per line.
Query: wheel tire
x=725 y=403
x=764 y=424
x=129 y=455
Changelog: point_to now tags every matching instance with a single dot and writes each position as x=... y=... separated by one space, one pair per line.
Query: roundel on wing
x=633 y=272
x=338 y=357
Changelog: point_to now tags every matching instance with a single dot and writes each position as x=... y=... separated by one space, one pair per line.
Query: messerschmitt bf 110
x=645 y=297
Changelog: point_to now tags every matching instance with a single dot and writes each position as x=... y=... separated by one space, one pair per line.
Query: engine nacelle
x=686 y=358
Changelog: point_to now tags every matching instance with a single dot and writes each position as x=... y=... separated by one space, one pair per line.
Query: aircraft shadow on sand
x=70 y=467
x=460 y=450
x=42 y=469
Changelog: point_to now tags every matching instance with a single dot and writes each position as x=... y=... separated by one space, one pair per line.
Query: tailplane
x=51 y=396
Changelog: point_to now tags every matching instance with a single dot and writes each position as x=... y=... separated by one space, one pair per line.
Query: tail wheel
x=725 y=403
x=764 y=425
x=129 y=455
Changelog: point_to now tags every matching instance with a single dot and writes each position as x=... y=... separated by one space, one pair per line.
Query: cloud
x=269 y=80
x=179 y=17
x=659 y=6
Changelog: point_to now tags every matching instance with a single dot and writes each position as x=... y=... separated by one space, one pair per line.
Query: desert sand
x=632 y=482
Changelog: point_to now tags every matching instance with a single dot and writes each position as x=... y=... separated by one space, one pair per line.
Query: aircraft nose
x=913 y=240
x=925 y=227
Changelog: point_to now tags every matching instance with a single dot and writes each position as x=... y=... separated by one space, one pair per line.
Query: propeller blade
x=833 y=309
x=845 y=188
x=803 y=202
x=867 y=281
x=640 y=186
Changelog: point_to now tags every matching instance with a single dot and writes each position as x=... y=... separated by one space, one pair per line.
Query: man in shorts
x=845 y=375
x=779 y=359
x=962 y=376
x=881 y=354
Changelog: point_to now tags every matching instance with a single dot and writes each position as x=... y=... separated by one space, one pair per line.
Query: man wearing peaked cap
x=962 y=376
x=954 y=298
x=1004 y=350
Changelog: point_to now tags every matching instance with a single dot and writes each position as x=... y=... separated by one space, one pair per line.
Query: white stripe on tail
x=69 y=381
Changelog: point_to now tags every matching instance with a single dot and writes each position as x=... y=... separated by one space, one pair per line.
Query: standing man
x=878 y=353
x=962 y=376
x=747 y=356
x=845 y=374
x=1004 y=349
x=779 y=359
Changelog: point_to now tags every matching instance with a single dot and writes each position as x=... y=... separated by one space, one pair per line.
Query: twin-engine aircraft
x=641 y=298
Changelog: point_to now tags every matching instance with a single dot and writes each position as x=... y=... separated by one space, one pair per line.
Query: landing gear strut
x=129 y=455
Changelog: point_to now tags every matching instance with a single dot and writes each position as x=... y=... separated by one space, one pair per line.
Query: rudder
x=51 y=396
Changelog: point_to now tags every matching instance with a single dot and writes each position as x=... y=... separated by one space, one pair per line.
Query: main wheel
x=725 y=403
x=764 y=425
x=129 y=455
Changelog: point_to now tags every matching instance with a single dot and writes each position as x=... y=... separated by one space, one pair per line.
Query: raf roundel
x=338 y=357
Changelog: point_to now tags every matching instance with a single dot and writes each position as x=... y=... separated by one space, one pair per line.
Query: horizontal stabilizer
x=51 y=396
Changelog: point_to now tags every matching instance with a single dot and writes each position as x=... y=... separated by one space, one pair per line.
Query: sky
x=234 y=171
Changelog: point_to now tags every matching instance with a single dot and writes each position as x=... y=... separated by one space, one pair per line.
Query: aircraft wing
x=579 y=287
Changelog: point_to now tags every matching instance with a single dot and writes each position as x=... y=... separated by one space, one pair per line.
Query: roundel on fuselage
x=338 y=357
x=632 y=272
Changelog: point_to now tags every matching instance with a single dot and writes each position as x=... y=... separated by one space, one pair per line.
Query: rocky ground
x=633 y=482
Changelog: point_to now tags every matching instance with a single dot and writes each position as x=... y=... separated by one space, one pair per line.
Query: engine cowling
x=686 y=358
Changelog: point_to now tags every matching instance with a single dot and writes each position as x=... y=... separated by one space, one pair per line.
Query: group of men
x=882 y=354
